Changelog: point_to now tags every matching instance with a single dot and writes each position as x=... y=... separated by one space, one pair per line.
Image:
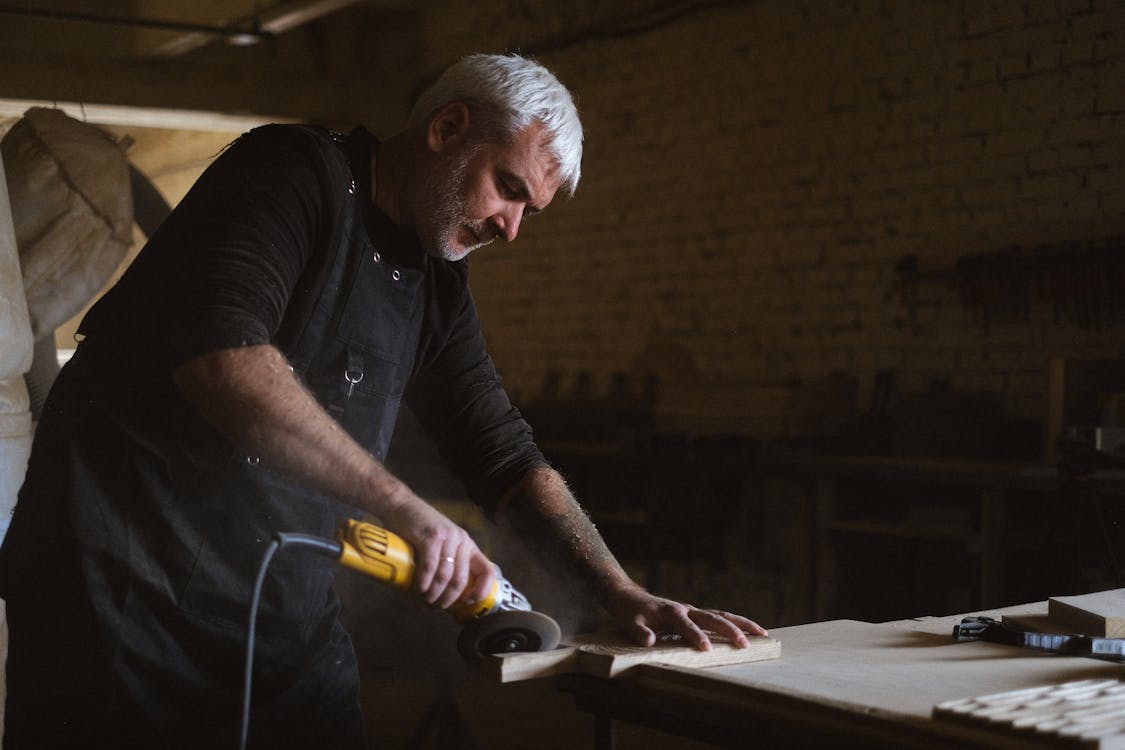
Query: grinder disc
x=507 y=631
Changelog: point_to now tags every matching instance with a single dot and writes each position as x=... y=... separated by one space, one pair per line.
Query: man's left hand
x=642 y=616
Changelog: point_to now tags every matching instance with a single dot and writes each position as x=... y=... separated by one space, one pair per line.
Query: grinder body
x=502 y=621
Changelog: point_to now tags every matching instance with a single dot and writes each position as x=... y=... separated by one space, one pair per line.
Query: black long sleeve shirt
x=223 y=268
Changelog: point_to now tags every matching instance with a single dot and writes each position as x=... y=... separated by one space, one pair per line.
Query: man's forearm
x=544 y=512
x=254 y=400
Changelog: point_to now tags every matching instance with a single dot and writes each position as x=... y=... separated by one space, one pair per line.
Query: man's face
x=478 y=192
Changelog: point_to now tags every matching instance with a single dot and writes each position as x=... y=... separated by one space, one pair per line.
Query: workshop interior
x=833 y=328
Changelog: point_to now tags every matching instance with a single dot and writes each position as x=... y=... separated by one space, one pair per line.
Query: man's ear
x=448 y=126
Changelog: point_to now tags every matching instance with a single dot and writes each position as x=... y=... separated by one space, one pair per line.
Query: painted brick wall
x=755 y=174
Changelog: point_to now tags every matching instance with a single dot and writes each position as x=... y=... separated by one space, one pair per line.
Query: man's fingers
x=639 y=614
x=640 y=633
x=694 y=634
x=723 y=624
x=745 y=624
x=697 y=625
x=463 y=573
x=677 y=618
x=481 y=577
x=425 y=569
x=454 y=583
x=741 y=623
x=448 y=565
x=435 y=566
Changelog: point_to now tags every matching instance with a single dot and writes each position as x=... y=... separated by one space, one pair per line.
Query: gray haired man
x=243 y=378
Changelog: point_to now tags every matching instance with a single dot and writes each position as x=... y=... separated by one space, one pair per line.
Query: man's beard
x=442 y=209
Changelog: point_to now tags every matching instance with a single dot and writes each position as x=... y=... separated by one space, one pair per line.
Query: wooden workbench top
x=904 y=667
x=880 y=681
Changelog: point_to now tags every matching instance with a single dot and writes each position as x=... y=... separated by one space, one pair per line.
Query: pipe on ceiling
x=276 y=20
x=248 y=30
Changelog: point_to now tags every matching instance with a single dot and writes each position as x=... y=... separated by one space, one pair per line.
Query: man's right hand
x=446 y=559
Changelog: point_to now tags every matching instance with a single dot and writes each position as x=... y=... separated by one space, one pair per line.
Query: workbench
x=840 y=683
x=990 y=521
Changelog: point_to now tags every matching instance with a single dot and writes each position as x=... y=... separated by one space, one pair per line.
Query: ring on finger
x=449 y=561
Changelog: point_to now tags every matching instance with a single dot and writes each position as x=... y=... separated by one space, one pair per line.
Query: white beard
x=441 y=209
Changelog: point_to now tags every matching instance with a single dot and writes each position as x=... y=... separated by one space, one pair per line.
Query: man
x=243 y=378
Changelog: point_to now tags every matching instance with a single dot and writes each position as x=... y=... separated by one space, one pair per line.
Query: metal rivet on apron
x=396 y=275
x=253 y=460
x=351 y=188
x=377 y=258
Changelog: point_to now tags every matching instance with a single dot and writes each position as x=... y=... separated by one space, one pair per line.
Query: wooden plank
x=518 y=667
x=608 y=655
x=1037 y=623
x=1100 y=614
x=1078 y=714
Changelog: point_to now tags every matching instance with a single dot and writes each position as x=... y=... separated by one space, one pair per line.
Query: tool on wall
x=502 y=622
x=982 y=628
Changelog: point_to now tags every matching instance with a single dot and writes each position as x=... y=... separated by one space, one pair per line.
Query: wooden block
x=1080 y=714
x=1101 y=614
x=1036 y=623
x=530 y=666
x=608 y=655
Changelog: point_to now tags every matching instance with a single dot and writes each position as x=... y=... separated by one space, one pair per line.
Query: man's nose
x=508 y=221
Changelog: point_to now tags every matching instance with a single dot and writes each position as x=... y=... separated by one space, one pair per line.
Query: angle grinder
x=502 y=622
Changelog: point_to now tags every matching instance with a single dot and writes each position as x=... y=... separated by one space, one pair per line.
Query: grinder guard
x=507 y=632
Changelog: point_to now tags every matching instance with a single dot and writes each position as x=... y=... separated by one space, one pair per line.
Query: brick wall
x=757 y=172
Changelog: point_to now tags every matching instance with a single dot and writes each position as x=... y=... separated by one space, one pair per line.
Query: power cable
x=280 y=541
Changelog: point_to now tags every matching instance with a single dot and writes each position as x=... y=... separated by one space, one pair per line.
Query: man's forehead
x=530 y=158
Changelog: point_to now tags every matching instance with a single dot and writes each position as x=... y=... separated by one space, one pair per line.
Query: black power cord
x=279 y=542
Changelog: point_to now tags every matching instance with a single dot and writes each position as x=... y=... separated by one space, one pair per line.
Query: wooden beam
x=142 y=117
x=170 y=85
x=1101 y=614
x=276 y=20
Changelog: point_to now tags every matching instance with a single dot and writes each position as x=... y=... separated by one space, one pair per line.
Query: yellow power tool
x=502 y=622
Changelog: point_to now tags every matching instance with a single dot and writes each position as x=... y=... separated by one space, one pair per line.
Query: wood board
x=1038 y=623
x=1101 y=614
x=1077 y=714
x=608 y=655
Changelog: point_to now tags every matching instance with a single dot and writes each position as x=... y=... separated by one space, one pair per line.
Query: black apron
x=154 y=530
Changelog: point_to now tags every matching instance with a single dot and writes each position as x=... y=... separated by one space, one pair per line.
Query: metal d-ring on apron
x=353 y=373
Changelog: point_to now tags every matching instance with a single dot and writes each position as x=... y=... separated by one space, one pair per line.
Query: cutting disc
x=508 y=631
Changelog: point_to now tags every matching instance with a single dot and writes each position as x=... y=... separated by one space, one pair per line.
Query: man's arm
x=252 y=397
x=542 y=509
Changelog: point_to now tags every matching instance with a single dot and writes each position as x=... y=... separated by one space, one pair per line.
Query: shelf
x=969 y=538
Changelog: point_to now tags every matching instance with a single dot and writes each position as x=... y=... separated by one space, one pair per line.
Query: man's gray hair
x=518 y=90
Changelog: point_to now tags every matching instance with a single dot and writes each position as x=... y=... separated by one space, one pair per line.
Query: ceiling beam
x=142 y=117
x=75 y=16
x=172 y=85
x=271 y=22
